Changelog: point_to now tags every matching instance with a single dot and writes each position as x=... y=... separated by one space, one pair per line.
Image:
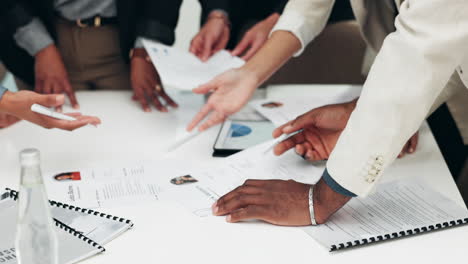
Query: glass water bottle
x=36 y=240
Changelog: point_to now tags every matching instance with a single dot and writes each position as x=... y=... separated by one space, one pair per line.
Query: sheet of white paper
x=280 y=110
x=109 y=187
x=252 y=163
x=183 y=70
x=395 y=207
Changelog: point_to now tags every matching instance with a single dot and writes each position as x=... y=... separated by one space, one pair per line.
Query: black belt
x=96 y=21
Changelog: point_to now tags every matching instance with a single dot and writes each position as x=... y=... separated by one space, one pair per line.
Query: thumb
x=205 y=88
x=308 y=119
x=51 y=100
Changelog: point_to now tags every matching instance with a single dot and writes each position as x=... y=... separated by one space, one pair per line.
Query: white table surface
x=165 y=232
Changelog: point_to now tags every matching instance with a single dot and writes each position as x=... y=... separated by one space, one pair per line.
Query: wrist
x=5 y=102
x=326 y=201
x=44 y=51
x=218 y=15
x=139 y=53
x=251 y=74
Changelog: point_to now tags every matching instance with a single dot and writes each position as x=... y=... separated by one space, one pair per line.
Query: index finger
x=71 y=95
x=206 y=109
x=289 y=143
x=279 y=130
x=214 y=119
x=241 y=47
x=207 y=49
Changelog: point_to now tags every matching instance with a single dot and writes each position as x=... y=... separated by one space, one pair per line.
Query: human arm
x=255 y=37
x=301 y=21
x=157 y=22
x=412 y=68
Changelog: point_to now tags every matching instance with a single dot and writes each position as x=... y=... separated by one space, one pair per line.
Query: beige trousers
x=92 y=57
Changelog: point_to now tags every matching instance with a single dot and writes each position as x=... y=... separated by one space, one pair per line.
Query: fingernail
x=411 y=150
x=76 y=107
x=228 y=218
x=59 y=97
x=287 y=128
x=147 y=110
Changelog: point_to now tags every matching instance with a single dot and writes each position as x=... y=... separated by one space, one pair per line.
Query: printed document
x=252 y=163
x=183 y=70
x=282 y=109
x=395 y=208
x=110 y=187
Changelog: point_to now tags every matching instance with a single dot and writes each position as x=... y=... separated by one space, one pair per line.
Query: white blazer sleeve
x=412 y=68
x=305 y=19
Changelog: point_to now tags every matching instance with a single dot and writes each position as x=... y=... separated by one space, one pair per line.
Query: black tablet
x=236 y=135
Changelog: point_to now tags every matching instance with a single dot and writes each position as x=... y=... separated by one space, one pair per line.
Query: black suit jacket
x=246 y=13
x=154 y=19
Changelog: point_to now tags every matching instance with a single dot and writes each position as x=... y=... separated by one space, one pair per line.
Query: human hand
x=51 y=77
x=7 y=120
x=274 y=201
x=410 y=146
x=19 y=105
x=212 y=37
x=279 y=202
x=231 y=91
x=321 y=128
x=254 y=39
x=146 y=83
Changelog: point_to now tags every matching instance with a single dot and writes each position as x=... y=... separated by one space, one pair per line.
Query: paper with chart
x=183 y=70
x=109 y=187
x=252 y=163
x=281 y=109
x=395 y=208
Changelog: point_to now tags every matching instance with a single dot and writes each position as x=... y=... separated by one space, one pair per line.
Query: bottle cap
x=29 y=157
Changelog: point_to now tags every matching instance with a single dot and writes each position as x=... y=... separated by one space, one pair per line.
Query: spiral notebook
x=95 y=225
x=396 y=210
x=81 y=232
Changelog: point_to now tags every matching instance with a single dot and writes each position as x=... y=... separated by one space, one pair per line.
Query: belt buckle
x=97 y=21
x=80 y=23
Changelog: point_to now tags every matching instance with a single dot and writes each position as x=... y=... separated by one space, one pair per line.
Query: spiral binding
x=14 y=195
x=409 y=232
x=77 y=234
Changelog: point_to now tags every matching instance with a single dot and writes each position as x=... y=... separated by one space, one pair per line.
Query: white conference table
x=165 y=232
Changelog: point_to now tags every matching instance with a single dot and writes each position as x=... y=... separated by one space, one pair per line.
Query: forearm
x=453 y=87
x=281 y=46
x=327 y=201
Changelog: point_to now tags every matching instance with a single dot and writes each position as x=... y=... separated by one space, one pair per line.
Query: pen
x=37 y=108
x=183 y=140
x=281 y=138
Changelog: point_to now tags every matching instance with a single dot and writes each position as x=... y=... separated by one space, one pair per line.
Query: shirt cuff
x=3 y=90
x=33 y=37
x=138 y=43
x=336 y=186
